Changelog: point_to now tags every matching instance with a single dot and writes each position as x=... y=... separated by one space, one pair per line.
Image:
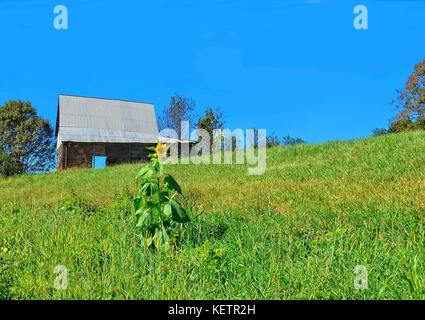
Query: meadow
x=296 y=232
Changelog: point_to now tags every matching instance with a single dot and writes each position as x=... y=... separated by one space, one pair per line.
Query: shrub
x=401 y=125
x=379 y=132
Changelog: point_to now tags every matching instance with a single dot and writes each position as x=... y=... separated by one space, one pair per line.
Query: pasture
x=296 y=232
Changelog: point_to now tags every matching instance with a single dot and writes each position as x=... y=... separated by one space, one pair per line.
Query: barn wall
x=61 y=164
x=79 y=155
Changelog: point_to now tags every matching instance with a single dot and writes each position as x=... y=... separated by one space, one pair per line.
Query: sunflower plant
x=157 y=209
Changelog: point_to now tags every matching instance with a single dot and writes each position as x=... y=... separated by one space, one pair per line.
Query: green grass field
x=296 y=232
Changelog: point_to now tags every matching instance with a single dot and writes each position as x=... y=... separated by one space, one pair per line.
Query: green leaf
x=179 y=214
x=144 y=218
x=150 y=204
x=156 y=212
x=138 y=202
x=145 y=172
x=164 y=196
x=149 y=188
x=156 y=165
x=172 y=184
x=168 y=211
x=161 y=238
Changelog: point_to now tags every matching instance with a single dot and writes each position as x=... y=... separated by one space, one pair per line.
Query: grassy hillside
x=296 y=232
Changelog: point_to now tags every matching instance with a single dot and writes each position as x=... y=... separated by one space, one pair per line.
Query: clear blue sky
x=296 y=67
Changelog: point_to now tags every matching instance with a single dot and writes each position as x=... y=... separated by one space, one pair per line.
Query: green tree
x=179 y=109
x=272 y=140
x=210 y=121
x=290 y=141
x=379 y=132
x=26 y=140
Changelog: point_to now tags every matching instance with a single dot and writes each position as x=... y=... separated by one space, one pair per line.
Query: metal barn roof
x=84 y=119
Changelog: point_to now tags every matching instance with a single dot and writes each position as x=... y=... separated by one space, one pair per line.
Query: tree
x=179 y=109
x=379 y=132
x=255 y=137
x=410 y=103
x=411 y=100
x=289 y=141
x=272 y=140
x=210 y=121
x=26 y=140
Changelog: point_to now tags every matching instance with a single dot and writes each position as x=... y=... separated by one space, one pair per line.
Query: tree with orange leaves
x=411 y=100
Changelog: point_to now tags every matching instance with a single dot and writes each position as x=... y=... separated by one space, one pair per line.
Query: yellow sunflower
x=161 y=150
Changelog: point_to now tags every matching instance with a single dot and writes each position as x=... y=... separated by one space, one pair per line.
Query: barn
x=96 y=130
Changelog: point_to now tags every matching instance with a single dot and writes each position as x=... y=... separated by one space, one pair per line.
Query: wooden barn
x=90 y=131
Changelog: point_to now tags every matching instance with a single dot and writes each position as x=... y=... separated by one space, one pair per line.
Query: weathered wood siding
x=79 y=155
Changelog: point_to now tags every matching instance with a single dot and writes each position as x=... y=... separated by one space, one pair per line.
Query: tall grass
x=296 y=232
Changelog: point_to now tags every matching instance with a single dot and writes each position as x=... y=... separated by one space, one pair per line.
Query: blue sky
x=294 y=67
